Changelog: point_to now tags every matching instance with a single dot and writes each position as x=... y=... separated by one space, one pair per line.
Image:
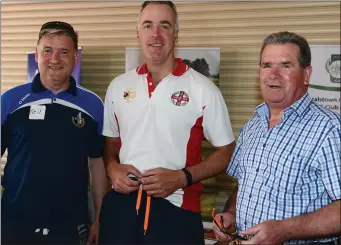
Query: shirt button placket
x=150 y=85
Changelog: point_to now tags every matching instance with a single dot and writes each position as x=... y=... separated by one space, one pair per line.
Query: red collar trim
x=179 y=70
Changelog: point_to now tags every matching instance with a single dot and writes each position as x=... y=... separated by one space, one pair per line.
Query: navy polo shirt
x=49 y=139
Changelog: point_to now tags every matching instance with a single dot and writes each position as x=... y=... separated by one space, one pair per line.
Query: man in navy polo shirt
x=50 y=128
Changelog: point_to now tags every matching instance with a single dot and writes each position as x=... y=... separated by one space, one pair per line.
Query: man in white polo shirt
x=156 y=117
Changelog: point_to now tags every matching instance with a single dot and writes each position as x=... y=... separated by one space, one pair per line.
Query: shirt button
x=250 y=196
x=264 y=145
x=245 y=223
x=150 y=84
x=257 y=170
x=54 y=99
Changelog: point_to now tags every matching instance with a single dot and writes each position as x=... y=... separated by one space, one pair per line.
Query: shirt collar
x=179 y=70
x=38 y=87
x=300 y=106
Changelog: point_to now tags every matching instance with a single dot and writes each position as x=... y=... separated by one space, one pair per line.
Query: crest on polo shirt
x=129 y=95
x=180 y=98
x=78 y=121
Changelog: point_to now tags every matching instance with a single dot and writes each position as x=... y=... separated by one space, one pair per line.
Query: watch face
x=334 y=69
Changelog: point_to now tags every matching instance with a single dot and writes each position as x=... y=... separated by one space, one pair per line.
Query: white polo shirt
x=164 y=126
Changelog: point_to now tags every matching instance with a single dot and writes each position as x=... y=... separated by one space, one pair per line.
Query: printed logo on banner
x=333 y=68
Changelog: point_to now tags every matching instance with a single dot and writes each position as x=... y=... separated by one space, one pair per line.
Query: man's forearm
x=321 y=223
x=111 y=151
x=99 y=183
x=232 y=202
x=214 y=164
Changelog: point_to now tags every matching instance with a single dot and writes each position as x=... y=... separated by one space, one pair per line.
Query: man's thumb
x=251 y=231
x=134 y=171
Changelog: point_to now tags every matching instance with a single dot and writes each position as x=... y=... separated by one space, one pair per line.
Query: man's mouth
x=55 y=67
x=274 y=86
x=155 y=44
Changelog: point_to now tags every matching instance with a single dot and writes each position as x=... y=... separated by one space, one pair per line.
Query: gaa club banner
x=324 y=86
x=32 y=67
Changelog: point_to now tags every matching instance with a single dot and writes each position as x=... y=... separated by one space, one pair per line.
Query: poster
x=204 y=60
x=32 y=67
x=324 y=87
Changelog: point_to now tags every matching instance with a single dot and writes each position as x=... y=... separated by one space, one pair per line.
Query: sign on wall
x=204 y=60
x=32 y=67
x=324 y=86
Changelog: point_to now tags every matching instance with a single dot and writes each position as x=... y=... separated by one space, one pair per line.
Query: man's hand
x=161 y=182
x=93 y=233
x=119 y=177
x=267 y=232
x=229 y=221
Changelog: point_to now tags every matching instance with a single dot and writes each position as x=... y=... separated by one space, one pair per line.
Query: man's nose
x=156 y=31
x=274 y=72
x=55 y=57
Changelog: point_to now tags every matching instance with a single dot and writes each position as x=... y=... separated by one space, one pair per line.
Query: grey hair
x=280 y=38
x=169 y=3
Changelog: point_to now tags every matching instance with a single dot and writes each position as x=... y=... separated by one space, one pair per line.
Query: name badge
x=37 y=112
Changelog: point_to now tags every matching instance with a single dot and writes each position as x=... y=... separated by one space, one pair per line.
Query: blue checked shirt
x=288 y=170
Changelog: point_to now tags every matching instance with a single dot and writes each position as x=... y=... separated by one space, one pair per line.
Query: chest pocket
x=290 y=174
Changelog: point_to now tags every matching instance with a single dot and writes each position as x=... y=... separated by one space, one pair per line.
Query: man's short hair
x=280 y=38
x=169 y=3
x=59 y=28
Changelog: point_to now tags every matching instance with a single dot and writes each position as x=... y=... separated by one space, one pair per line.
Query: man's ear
x=76 y=58
x=36 y=55
x=307 y=74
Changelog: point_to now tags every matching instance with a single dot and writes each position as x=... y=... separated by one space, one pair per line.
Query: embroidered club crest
x=78 y=121
x=129 y=95
x=180 y=98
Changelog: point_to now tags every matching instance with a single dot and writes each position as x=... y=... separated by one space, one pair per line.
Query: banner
x=204 y=60
x=324 y=87
x=32 y=67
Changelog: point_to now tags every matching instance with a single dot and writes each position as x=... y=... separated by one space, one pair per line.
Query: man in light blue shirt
x=287 y=159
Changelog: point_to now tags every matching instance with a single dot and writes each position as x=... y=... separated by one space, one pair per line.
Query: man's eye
x=147 y=26
x=264 y=66
x=65 y=53
x=165 y=27
x=47 y=51
x=285 y=66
